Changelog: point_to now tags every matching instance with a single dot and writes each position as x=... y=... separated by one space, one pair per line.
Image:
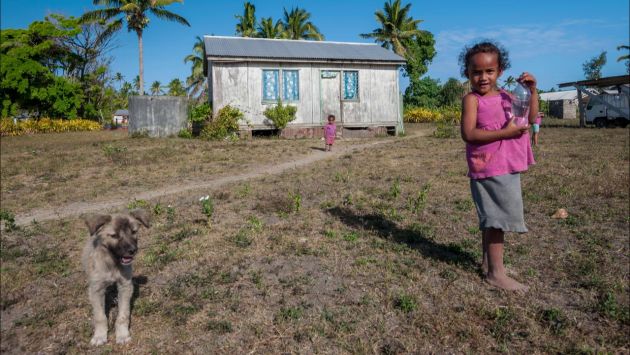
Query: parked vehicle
x=608 y=109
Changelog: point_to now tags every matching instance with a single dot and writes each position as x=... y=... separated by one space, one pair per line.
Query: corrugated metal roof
x=259 y=48
x=559 y=95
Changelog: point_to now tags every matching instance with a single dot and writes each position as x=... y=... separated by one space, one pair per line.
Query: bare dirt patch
x=373 y=251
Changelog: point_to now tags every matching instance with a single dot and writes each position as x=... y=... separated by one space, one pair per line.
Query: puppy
x=107 y=259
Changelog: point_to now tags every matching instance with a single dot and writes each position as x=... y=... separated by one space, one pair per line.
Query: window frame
x=262 y=85
x=297 y=71
x=343 y=86
x=279 y=85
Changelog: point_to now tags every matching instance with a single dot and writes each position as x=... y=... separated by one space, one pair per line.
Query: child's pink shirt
x=330 y=130
x=503 y=156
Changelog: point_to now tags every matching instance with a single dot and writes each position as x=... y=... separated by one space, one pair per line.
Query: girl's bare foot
x=505 y=282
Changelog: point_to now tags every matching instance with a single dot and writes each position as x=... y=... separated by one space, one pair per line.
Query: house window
x=350 y=85
x=290 y=85
x=270 y=85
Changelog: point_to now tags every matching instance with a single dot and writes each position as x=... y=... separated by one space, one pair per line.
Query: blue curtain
x=291 y=85
x=350 y=85
x=270 y=85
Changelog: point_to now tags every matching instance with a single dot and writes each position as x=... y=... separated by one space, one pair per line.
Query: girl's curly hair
x=484 y=46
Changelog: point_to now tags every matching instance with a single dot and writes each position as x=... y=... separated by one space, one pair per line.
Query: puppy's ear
x=142 y=216
x=95 y=222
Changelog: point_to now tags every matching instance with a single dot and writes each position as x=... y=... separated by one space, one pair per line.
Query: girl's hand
x=529 y=80
x=512 y=130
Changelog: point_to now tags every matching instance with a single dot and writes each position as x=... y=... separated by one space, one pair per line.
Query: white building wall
x=240 y=85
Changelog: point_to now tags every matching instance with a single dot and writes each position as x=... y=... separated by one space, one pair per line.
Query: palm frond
x=110 y=30
x=98 y=15
x=167 y=15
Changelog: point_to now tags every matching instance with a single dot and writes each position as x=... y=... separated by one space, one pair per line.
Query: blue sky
x=551 y=39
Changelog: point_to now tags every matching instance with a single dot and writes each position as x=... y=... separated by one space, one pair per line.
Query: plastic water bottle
x=520 y=104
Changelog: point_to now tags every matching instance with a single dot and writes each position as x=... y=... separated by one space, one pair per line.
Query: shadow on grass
x=111 y=293
x=419 y=239
x=319 y=148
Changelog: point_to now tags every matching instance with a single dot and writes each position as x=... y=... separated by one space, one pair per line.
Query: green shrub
x=9 y=220
x=280 y=114
x=184 y=133
x=225 y=124
x=201 y=112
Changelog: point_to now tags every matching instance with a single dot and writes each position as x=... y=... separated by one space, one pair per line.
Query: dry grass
x=374 y=252
x=49 y=170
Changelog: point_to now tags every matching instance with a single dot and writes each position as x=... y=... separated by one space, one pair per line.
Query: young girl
x=536 y=128
x=497 y=150
x=330 y=132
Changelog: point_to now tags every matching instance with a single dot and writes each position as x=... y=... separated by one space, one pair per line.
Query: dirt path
x=78 y=208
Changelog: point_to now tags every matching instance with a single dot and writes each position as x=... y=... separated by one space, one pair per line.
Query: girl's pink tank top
x=500 y=157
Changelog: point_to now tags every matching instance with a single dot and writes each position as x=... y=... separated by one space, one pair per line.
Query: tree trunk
x=141 y=74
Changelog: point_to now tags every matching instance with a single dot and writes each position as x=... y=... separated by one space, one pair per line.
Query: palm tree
x=247 y=23
x=135 y=13
x=136 y=83
x=509 y=82
x=126 y=89
x=267 y=29
x=156 y=88
x=623 y=57
x=176 y=88
x=396 y=27
x=297 y=25
x=197 y=82
x=119 y=78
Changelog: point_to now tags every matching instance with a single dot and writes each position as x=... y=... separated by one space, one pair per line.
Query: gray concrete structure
x=157 y=116
x=235 y=77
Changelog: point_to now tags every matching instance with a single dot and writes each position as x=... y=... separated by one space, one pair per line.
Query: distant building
x=562 y=104
x=121 y=118
x=356 y=82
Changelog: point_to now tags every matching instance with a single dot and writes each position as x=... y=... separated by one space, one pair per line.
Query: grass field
x=371 y=251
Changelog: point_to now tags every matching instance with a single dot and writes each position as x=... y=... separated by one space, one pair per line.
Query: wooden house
x=356 y=82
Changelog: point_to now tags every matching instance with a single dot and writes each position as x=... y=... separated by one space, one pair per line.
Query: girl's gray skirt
x=499 y=202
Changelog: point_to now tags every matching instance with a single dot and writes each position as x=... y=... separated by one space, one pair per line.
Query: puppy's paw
x=98 y=340
x=123 y=338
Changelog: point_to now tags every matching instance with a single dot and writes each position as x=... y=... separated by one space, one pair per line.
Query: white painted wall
x=240 y=85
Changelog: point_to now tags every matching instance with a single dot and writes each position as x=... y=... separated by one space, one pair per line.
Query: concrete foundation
x=157 y=116
x=318 y=132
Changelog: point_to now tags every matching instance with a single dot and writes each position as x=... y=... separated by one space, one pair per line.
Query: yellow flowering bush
x=45 y=125
x=421 y=114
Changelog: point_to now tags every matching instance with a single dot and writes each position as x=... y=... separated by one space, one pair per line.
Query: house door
x=330 y=94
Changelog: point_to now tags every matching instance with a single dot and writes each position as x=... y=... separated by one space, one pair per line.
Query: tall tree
x=135 y=14
x=246 y=27
x=451 y=92
x=119 y=78
x=156 y=88
x=267 y=29
x=593 y=67
x=196 y=83
x=396 y=26
x=420 y=51
x=298 y=26
x=87 y=62
x=30 y=59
